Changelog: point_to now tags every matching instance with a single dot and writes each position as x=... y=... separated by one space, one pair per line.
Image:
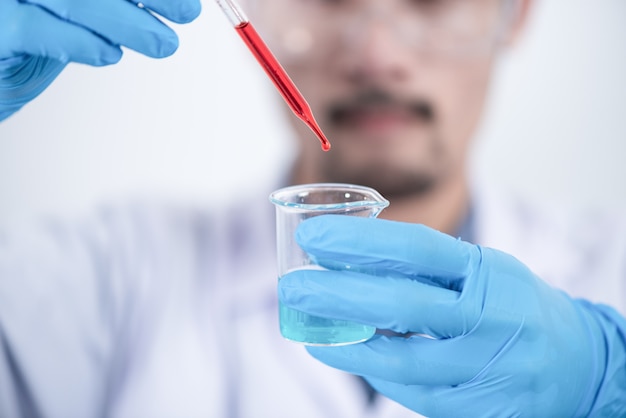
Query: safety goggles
x=313 y=30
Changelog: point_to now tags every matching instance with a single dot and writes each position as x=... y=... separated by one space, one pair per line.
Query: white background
x=204 y=125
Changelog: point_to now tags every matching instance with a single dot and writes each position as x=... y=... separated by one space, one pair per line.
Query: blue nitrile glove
x=504 y=342
x=39 y=37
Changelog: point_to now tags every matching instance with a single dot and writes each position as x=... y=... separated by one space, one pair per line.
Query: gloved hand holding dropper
x=38 y=38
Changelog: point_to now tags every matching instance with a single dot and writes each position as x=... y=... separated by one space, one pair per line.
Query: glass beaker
x=293 y=205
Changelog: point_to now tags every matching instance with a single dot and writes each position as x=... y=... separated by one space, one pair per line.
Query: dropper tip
x=326 y=146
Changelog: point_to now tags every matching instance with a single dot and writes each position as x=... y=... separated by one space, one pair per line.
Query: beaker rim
x=374 y=199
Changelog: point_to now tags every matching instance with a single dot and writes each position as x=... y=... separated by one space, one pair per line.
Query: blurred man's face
x=397 y=85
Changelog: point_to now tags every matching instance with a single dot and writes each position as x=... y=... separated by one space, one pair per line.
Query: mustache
x=375 y=98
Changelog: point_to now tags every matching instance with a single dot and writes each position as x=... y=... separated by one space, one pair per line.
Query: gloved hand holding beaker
x=39 y=37
x=478 y=331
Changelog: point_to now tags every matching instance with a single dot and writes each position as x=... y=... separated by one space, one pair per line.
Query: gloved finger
x=420 y=361
x=36 y=32
x=386 y=246
x=179 y=11
x=393 y=303
x=416 y=360
x=431 y=401
x=118 y=21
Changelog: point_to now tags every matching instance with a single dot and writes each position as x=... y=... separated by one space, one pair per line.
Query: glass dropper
x=272 y=67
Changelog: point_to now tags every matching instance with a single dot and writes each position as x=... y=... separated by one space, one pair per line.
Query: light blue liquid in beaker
x=313 y=330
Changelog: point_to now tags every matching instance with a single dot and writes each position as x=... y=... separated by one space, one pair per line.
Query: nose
x=374 y=53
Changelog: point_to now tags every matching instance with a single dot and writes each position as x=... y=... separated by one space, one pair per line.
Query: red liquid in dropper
x=281 y=80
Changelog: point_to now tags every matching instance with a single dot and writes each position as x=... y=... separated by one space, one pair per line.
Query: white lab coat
x=152 y=312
